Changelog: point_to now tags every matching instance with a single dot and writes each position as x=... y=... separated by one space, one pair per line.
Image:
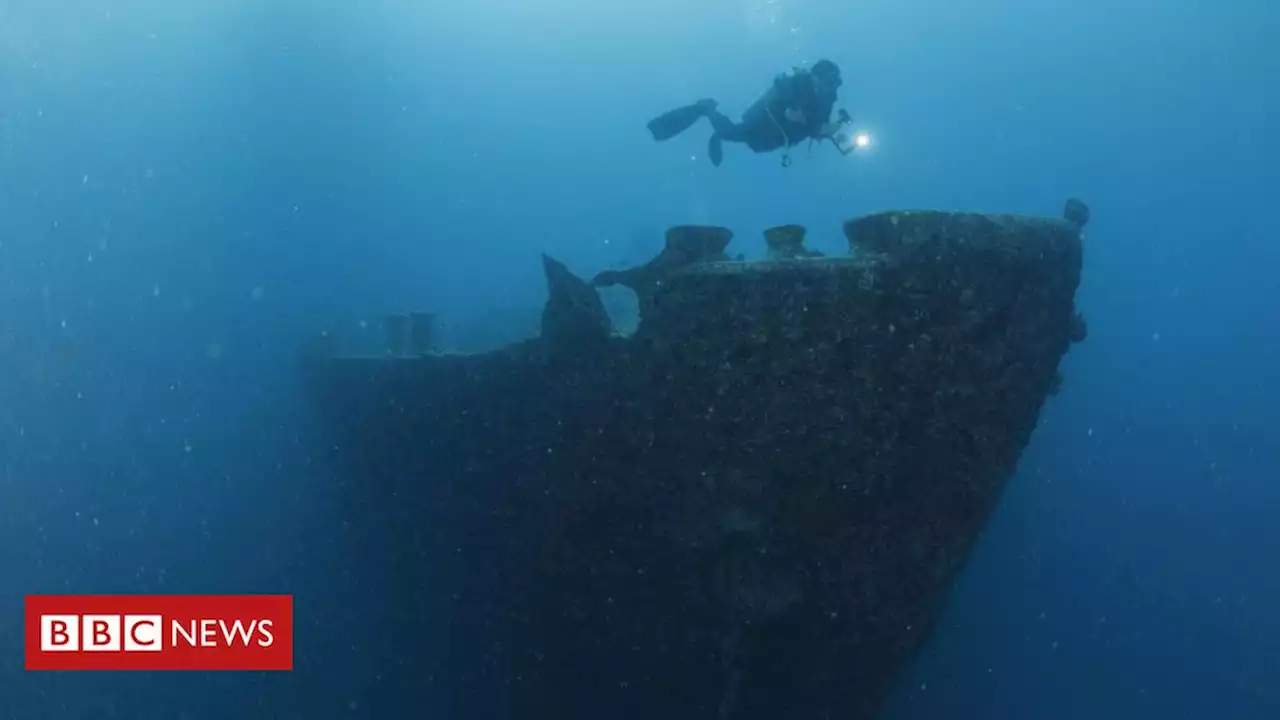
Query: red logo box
x=159 y=632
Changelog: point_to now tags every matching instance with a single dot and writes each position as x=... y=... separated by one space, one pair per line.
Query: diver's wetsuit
x=770 y=123
x=765 y=126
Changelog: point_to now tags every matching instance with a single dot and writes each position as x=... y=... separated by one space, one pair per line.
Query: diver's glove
x=830 y=129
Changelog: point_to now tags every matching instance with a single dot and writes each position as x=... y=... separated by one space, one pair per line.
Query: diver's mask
x=826 y=81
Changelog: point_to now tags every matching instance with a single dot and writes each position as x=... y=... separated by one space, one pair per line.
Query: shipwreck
x=749 y=508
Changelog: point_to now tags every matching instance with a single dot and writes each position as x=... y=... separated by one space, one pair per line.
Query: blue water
x=187 y=189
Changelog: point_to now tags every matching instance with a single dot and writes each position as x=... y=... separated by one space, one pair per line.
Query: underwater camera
x=847 y=139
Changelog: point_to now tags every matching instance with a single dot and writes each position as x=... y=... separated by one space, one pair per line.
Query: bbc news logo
x=159 y=632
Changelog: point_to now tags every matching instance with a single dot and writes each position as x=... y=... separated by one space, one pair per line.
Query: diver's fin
x=715 y=148
x=674 y=122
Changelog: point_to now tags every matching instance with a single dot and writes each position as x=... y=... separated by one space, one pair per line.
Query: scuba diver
x=797 y=107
